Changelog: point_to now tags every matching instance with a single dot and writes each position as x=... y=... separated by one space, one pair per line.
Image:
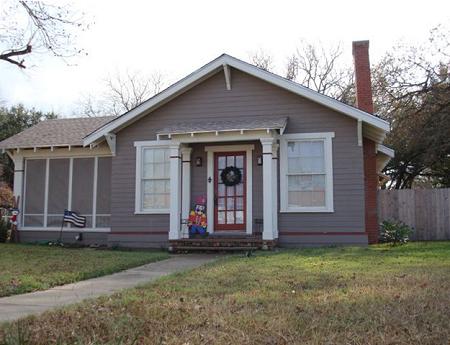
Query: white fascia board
x=217 y=64
x=221 y=131
x=386 y=150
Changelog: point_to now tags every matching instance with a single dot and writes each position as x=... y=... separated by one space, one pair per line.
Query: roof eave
x=386 y=150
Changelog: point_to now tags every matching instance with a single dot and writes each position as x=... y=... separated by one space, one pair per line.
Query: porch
x=241 y=214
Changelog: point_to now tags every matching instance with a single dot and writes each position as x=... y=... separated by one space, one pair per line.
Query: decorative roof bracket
x=111 y=140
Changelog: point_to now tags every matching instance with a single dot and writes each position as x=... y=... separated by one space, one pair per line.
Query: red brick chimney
x=362 y=76
x=364 y=102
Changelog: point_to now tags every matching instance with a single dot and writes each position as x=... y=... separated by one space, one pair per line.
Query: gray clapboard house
x=309 y=164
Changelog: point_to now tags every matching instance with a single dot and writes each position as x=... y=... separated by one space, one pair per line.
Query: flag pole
x=60 y=231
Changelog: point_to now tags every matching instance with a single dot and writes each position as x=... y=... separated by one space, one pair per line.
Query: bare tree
x=320 y=69
x=262 y=59
x=292 y=67
x=412 y=91
x=123 y=92
x=28 y=26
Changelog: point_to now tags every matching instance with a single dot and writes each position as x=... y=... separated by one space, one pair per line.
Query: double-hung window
x=152 y=178
x=306 y=176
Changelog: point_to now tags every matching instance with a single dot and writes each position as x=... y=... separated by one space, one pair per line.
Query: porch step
x=197 y=248
x=236 y=243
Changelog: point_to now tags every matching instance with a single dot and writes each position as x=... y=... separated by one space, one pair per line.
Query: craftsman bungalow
x=307 y=164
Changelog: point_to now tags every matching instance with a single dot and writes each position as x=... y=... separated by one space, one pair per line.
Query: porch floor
x=224 y=241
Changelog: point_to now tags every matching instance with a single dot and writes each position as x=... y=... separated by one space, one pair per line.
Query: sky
x=177 y=37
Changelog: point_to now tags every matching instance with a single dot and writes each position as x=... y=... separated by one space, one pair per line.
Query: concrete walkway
x=18 y=306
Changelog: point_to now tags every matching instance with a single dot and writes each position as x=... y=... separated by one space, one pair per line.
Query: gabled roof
x=56 y=132
x=375 y=127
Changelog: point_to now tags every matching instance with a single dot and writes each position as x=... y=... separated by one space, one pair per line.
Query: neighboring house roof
x=56 y=132
x=375 y=127
x=225 y=126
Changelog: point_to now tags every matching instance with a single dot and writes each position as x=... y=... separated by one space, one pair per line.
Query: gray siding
x=138 y=240
x=249 y=98
x=89 y=238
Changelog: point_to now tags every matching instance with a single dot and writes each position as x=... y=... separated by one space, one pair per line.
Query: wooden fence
x=427 y=211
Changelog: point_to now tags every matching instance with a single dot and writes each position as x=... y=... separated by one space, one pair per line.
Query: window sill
x=307 y=210
x=153 y=212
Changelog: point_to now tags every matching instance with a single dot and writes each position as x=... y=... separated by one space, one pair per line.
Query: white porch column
x=275 y=190
x=18 y=183
x=175 y=192
x=268 y=189
x=185 y=186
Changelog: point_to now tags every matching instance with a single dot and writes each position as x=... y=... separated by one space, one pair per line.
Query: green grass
x=25 y=268
x=375 y=295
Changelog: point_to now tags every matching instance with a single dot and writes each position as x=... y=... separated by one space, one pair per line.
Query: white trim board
x=65 y=229
x=386 y=150
x=228 y=148
x=213 y=67
x=64 y=152
x=210 y=150
x=211 y=137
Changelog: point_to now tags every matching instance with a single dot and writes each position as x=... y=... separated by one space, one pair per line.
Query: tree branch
x=7 y=56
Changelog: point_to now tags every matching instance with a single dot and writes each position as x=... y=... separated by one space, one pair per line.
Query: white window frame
x=140 y=147
x=326 y=137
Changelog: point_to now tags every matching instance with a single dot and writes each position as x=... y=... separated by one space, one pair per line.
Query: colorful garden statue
x=197 y=218
x=14 y=237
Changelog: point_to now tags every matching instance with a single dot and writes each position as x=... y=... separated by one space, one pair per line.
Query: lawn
x=25 y=268
x=375 y=295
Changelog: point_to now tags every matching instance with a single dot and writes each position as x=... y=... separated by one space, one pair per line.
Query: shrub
x=4 y=227
x=395 y=232
x=6 y=196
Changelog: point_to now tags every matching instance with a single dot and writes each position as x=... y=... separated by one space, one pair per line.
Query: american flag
x=74 y=218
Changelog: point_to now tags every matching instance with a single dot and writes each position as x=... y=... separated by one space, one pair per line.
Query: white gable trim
x=386 y=150
x=214 y=66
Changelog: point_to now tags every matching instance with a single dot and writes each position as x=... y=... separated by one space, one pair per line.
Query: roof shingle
x=57 y=132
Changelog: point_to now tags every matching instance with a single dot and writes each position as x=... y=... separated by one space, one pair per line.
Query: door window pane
x=239 y=203
x=221 y=203
x=239 y=217
x=221 y=217
x=230 y=203
x=239 y=162
x=240 y=189
x=230 y=217
x=221 y=162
